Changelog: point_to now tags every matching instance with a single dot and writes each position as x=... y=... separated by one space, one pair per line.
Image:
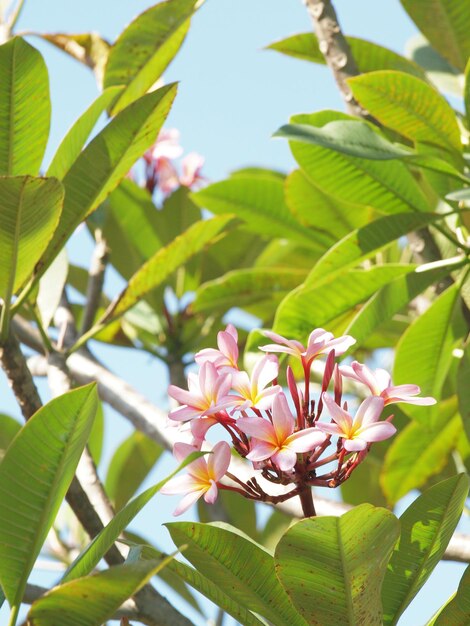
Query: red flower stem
x=306 y=500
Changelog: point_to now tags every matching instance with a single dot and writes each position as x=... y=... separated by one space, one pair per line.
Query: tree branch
x=98 y=265
x=335 y=48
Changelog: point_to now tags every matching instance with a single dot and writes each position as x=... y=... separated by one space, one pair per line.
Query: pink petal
x=383 y=378
x=183 y=396
x=219 y=461
x=369 y=411
x=231 y=330
x=182 y=450
x=285 y=459
x=283 y=422
x=304 y=440
x=241 y=383
x=348 y=372
x=339 y=415
x=208 y=376
x=341 y=344
x=260 y=450
x=265 y=371
x=367 y=377
x=377 y=432
x=354 y=445
x=199 y=427
x=331 y=429
x=228 y=346
x=179 y=484
x=259 y=428
x=265 y=398
x=211 y=494
x=184 y=413
x=187 y=502
x=207 y=354
x=272 y=347
x=222 y=385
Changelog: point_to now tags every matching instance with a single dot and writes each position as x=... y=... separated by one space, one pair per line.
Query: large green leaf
x=35 y=474
x=130 y=465
x=240 y=567
x=307 y=308
x=107 y=159
x=364 y=242
x=389 y=300
x=316 y=209
x=9 y=427
x=368 y=56
x=439 y=71
x=463 y=390
x=145 y=48
x=426 y=528
x=456 y=612
x=424 y=353
x=94 y=552
x=165 y=262
x=260 y=203
x=446 y=24
x=419 y=452
x=25 y=108
x=409 y=106
x=245 y=286
x=30 y=210
x=73 y=142
x=390 y=189
x=333 y=567
x=92 y=600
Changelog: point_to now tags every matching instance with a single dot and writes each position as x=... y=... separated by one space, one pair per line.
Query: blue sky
x=233 y=95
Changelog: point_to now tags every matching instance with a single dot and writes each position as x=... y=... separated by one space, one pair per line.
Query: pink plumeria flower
x=207 y=394
x=167 y=146
x=226 y=357
x=365 y=428
x=202 y=477
x=277 y=440
x=380 y=384
x=254 y=391
x=191 y=167
x=319 y=342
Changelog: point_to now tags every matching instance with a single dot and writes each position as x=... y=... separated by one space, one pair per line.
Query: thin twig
x=94 y=291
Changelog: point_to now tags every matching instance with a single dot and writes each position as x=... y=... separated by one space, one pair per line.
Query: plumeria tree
x=363 y=246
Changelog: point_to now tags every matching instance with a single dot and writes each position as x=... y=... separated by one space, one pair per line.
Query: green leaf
x=107 y=159
x=25 y=108
x=368 y=56
x=92 y=600
x=463 y=390
x=51 y=287
x=333 y=567
x=364 y=242
x=426 y=528
x=419 y=452
x=130 y=465
x=321 y=211
x=390 y=189
x=313 y=307
x=73 y=142
x=456 y=612
x=145 y=48
x=9 y=428
x=35 y=474
x=30 y=209
x=409 y=106
x=424 y=352
x=437 y=69
x=159 y=267
x=446 y=24
x=238 y=566
x=260 y=203
x=242 y=287
x=195 y=579
x=94 y=552
x=389 y=300
x=355 y=138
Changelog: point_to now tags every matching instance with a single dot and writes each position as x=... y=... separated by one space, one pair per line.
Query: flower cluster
x=160 y=169
x=287 y=442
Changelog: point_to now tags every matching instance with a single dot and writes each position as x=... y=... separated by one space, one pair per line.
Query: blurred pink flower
x=380 y=384
x=319 y=342
x=363 y=429
x=207 y=394
x=226 y=357
x=191 y=167
x=277 y=440
x=202 y=477
x=254 y=391
x=167 y=146
x=166 y=175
